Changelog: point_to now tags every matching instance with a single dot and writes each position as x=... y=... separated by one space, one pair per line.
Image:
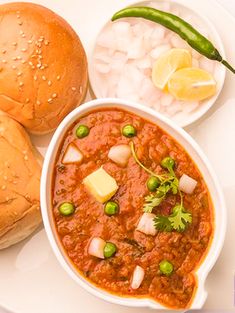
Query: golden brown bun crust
x=19 y=184
x=43 y=66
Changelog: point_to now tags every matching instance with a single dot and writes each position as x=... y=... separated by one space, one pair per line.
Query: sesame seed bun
x=43 y=66
x=20 y=171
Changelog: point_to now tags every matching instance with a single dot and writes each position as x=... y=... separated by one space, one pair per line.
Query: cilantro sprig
x=179 y=219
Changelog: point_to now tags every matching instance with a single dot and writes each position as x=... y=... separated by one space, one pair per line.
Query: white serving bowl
x=193 y=150
x=184 y=117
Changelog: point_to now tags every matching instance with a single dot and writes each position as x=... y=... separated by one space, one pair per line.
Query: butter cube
x=101 y=185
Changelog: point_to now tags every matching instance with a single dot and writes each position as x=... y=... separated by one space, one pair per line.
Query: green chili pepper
x=196 y=40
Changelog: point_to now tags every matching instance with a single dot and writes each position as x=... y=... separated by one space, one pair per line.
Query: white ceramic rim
x=219 y=45
x=200 y=159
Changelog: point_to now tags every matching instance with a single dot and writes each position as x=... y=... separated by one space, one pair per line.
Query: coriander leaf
x=151 y=202
x=179 y=219
x=175 y=186
x=162 y=223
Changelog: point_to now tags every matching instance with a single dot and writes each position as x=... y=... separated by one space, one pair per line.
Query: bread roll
x=43 y=66
x=19 y=184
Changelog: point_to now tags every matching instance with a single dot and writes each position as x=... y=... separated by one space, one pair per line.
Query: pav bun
x=43 y=66
x=20 y=171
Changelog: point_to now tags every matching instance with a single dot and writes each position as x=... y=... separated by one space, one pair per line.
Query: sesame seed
x=38 y=102
x=80 y=89
x=23 y=49
x=5 y=177
x=30 y=41
x=4 y=61
x=33 y=56
x=14 y=43
x=44 y=78
x=54 y=95
x=4 y=51
x=40 y=39
x=74 y=88
x=49 y=83
x=46 y=42
x=14 y=67
x=35 y=77
x=58 y=77
x=42 y=67
x=33 y=67
x=30 y=63
x=4 y=187
x=18 y=16
x=20 y=23
x=23 y=61
x=39 y=65
x=50 y=100
x=19 y=58
x=19 y=73
x=23 y=36
x=26 y=158
x=40 y=57
x=21 y=32
x=27 y=100
x=21 y=84
x=14 y=58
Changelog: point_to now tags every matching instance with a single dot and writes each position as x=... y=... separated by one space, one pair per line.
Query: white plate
x=184 y=117
x=32 y=281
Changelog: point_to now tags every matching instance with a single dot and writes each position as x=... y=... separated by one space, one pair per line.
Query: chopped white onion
x=146 y=224
x=137 y=278
x=96 y=247
x=120 y=154
x=187 y=184
x=72 y=155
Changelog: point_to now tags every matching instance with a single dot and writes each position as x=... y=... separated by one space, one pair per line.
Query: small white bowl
x=182 y=118
x=197 y=155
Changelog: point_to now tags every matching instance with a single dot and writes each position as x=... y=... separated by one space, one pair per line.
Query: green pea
x=82 y=131
x=66 y=208
x=111 y=208
x=129 y=131
x=109 y=250
x=152 y=183
x=166 y=267
x=168 y=163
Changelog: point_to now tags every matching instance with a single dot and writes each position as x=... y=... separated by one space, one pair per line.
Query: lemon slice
x=192 y=84
x=168 y=63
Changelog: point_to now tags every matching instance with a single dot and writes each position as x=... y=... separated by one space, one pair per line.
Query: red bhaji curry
x=131 y=209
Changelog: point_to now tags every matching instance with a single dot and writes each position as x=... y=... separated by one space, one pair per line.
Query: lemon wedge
x=168 y=63
x=191 y=84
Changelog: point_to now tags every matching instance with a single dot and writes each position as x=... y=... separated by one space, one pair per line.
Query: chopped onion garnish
x=137 y=278
x=72 y=155
x=96 y=247
x=187 y=184
x=146 y=224
x=120 y=154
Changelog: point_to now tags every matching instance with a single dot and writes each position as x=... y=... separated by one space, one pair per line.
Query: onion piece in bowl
x=187 y=184
x=138 y=277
